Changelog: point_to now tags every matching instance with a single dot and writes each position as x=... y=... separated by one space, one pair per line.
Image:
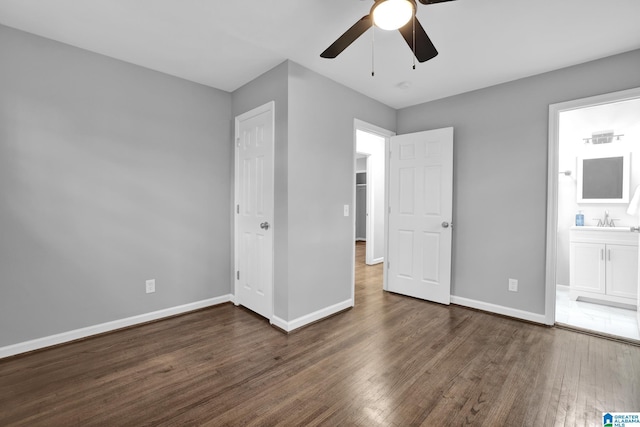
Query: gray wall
x=500 y=174
x=313 y=247
x=273 y=86
x=110 y=174
x=321 y=133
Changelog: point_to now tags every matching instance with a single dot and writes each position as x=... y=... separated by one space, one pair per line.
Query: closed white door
x=254 y=210
x=420 y=214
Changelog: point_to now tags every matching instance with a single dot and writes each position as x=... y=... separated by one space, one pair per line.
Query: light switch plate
x=346 y=210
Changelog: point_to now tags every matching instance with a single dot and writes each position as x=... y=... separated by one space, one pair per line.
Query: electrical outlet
x=151 y=286
x=513 y=285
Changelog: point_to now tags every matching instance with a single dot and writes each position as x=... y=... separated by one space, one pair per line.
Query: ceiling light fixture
x=392 y=14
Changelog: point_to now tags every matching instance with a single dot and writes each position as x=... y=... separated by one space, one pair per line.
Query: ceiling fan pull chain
x=373 y=40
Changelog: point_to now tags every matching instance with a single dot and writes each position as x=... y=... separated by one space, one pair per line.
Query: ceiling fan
x=390 y=15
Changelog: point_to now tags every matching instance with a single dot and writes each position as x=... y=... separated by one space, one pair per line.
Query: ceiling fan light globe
x=392 y=14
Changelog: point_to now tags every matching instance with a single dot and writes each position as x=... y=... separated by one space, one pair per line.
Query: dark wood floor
x=390 y=361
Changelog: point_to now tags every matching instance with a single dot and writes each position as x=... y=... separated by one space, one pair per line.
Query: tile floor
x=596 y=317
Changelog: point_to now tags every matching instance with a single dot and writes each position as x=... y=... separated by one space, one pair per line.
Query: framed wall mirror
x=603 y=179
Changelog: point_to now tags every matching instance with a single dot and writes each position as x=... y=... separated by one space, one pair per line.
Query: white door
x=420 y=214
x=254 y=210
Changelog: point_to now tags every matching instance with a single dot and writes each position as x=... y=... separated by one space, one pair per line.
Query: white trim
x=311 y=317
x=368 y=127
x=76 y=334
x=552 y=185
x=563 y=287
x=499 y=309
x=370 y=208
x=280 y=323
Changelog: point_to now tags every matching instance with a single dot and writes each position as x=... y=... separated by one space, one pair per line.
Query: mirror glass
x=603 y=179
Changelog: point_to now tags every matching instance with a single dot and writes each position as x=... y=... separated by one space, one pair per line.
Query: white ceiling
x=227 y=43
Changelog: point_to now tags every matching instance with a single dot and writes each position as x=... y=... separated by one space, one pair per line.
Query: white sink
x=594 y=228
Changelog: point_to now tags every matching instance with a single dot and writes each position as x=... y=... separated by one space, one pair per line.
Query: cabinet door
x=622 y=271
x=587 y=267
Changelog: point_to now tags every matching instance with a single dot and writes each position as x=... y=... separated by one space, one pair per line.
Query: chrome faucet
x=607 y=222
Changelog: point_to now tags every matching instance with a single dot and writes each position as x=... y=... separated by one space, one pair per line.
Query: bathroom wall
x=575 y=125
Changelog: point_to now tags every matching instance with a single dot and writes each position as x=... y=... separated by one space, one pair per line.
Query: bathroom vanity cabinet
x=604 y=264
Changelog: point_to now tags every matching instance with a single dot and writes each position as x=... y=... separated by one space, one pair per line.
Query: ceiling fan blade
x=433 y=1
x=425 y=50
x=348 y=37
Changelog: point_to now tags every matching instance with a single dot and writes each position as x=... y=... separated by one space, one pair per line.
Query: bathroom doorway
x=596 y=251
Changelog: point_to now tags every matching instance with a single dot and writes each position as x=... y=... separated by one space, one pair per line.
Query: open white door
x=420 y=214
x=254 y=210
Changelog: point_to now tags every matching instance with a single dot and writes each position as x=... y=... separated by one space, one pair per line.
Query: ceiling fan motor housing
x=393 y=13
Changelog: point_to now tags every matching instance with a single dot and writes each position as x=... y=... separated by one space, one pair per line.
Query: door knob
x=264 y=225
x=445 y=224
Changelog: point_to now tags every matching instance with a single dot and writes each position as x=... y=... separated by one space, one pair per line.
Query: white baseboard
x=310 y=318
x=499 y=309
x=280 y=323
x=563 y=287
x=76 y=334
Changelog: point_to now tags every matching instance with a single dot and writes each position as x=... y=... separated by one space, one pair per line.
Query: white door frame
x=269 y=106
x=552 y=184
x=386 y=134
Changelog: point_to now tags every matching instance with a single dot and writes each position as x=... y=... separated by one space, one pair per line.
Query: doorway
x=370 y=187
x=369 y=192
x=592 y=269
